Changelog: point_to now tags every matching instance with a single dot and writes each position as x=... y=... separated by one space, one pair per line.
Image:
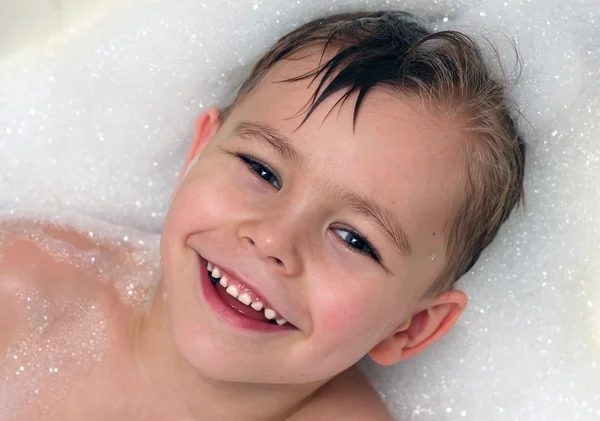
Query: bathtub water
x=98 y=123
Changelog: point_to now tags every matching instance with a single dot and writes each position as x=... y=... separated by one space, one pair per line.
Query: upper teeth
x=244 y=297
x=233 y=291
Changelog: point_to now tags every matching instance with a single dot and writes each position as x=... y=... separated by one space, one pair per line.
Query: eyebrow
x=364 y=206
x=269 y=136
x=383 y=217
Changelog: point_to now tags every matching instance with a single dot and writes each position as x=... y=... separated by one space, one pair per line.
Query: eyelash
x=258 y=169
x=370 y=250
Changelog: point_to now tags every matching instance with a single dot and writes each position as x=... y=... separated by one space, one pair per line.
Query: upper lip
x=250 y=285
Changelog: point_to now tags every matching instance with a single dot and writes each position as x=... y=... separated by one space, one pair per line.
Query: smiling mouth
x=242 y=299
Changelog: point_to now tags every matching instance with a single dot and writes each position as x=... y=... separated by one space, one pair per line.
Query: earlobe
x=189 y=168
x=421 y=330
x=390 y=350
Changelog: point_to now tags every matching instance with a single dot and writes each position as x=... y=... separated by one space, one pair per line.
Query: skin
x=286 y=236
x=288 y=232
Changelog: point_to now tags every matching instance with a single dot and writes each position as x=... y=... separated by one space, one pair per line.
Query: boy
x=323 y=216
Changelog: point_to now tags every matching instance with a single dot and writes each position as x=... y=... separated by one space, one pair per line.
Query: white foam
x=100 y=127
x=51 y=352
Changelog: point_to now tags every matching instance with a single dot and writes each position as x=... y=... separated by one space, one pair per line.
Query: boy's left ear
x=421 y=330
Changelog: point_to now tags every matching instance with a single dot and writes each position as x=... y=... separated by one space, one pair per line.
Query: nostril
x=250 y=242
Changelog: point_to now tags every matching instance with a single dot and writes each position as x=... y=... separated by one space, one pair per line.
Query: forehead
x=405 y=155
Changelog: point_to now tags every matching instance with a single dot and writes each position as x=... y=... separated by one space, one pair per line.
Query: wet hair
x=447 y=71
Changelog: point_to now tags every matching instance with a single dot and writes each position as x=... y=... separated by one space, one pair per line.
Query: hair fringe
x=446 y=70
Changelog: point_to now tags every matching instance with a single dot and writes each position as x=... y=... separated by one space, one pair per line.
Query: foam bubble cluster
x=100 y=125
x=59 y=343
x=124 y=257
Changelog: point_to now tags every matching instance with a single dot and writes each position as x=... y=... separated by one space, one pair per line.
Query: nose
x=274 y=241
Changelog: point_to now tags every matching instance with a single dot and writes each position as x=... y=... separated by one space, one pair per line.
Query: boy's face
x=341 y=231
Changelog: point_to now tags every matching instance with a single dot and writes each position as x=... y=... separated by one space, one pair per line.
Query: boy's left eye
x=357 y=243
x=261 y=170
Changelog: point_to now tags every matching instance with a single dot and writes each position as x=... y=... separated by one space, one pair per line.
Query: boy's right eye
x=261 y=170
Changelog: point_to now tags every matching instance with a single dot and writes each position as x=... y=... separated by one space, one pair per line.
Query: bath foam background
x=99 y=124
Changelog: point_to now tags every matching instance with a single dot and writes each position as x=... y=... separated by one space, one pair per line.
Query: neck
x=166 y=375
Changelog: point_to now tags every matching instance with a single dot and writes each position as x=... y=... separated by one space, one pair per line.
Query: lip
x=229 y=314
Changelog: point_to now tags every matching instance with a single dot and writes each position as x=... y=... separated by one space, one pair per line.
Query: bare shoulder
x=35 y=255
x=348 y=397
x=34 y=263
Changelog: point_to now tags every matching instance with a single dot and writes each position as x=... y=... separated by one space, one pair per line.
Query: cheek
x=352 y=312
x=341 y=313
x=205 y=197
x=220 y=189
